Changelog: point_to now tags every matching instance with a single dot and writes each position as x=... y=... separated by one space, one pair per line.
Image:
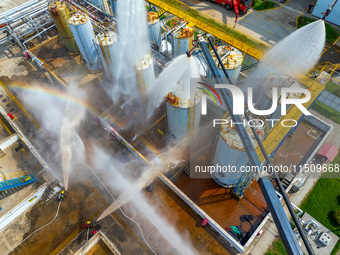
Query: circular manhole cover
x=12 y=109
x=1 y=96
x=4 y=100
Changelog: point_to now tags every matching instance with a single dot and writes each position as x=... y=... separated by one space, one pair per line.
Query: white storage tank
x=106 y=44
x=154 y=24
x=230 y=151
x=182 y=40
x=145 y=75
x=183 y=108
x=102 y=5
x=82 y=30
x=232 y=59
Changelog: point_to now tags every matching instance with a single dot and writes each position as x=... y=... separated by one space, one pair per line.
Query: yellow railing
x=6 y=177
x=221 y=31
x=278 y=132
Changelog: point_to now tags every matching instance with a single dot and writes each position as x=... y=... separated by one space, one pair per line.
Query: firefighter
x=62 y=195
x=88 y=224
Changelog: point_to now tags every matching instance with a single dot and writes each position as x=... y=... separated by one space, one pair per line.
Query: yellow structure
x=183 y=11
x=60 y=16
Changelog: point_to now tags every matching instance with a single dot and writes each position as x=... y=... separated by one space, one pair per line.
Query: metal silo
x=82 y=30
x=265 y=99
x=182 y=40
x=154 y=25
x=60 y=15
x=145 y=74
x=230 y=151
x=183 y=109
x=102 y=5
x=106 y=44
x=232 y=59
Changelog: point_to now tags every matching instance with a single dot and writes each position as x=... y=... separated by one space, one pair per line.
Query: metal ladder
x=11 y=186
x=107 y=9
x=141 y=82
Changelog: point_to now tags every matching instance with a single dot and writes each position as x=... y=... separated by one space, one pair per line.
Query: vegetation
x=331 y=33
x=323 y=203
x=324 y=200
x=260 y=5
x=196 y=33
x=277 y=248
x=172 y=22
x=336 y=215
x=218 y=25
x=337 y=92
x=332 y=87
x=162 y=16
x=326 y=111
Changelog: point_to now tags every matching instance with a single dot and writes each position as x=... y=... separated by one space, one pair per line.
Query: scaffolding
x=24 y=20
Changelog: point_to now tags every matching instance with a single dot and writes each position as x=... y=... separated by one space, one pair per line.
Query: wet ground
x=100 y=249
x=295 y=148
x=219 y=203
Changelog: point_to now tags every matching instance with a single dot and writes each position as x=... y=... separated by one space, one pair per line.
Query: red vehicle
x=240 y=6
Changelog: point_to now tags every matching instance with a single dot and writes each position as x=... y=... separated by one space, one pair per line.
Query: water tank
x=264 y=99
x=102 y=5
x=230 y=152
x=82 y=30
x=60 y=15
x=154 y=25
x=106 y=44
x=232 y=59
x=183 y=108
x=182 y=40
x=145 y=75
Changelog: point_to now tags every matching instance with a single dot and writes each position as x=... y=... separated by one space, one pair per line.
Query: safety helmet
x=63 y=192
x=88 y=222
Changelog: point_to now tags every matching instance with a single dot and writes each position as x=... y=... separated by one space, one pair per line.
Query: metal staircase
x=8 y=187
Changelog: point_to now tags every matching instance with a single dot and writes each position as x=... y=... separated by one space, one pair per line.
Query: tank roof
x=107 y=38
x=78 y=18
x=144 y=63
x=231 y=57
x=184 y=32
x=232 y=138
x=57 y=4
x=184 y=95
x=152 y=17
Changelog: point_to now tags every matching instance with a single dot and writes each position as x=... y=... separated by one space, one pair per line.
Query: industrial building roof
x=329 y=151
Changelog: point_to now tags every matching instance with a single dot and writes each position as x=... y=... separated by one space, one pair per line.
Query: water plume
x=114 y=170
x=180 y=68
x=70 y=141
x=296 y=54
x=133 y=45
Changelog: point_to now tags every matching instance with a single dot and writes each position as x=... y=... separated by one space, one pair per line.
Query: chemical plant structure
x=62 y=43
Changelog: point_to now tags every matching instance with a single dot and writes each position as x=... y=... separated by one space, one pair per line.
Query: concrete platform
x=317 y=249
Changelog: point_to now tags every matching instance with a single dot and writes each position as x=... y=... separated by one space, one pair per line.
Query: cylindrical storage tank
x=183 y=109
x=154 y=25
x=182 y=40
x=265 y=99
x=232 y=59
x=102 y=5
x=82 y=30
x=113 y=4
x=106 y=44
x=145 y=75
x=60 y=15
x=230 y=154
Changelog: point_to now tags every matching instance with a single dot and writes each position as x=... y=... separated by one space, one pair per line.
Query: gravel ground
x=6 y=5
